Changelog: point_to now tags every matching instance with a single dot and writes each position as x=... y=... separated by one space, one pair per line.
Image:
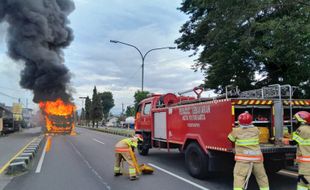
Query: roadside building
x=7 y=123
x=27 y=116
x=113 y=121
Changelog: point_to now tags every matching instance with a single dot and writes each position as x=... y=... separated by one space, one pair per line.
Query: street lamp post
x=142 y=56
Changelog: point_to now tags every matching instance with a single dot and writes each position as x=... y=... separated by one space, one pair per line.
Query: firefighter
x=124 y=149
x=302 y=137
x=248 y=155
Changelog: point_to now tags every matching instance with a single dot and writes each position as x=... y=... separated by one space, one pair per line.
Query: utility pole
x=83 y=108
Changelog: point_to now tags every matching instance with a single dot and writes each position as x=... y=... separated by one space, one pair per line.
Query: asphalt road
x=86 y=161
x=12 y=143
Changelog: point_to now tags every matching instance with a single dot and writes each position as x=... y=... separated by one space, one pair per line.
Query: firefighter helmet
x=139 y=137
x=245 y=118
x=302 y=117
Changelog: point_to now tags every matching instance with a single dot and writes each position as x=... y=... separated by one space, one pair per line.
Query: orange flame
x=59 y=109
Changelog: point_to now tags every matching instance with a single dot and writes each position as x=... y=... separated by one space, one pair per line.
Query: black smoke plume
x=38 y=32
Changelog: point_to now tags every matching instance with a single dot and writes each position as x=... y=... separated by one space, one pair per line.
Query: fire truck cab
x=199 y=126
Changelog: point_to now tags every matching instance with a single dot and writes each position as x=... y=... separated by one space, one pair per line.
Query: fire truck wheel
x=143 y=150
x=196 y=161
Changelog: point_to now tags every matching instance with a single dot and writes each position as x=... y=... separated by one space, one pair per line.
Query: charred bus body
x=59 y=124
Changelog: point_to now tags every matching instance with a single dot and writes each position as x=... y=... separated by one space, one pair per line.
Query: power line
x=12 y=89
x=8 y=96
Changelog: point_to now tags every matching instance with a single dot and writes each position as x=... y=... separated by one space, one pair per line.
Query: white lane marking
x=90 y=167
x=38 y=170
x=179 y=177
x=98 y=141
x=289 y=173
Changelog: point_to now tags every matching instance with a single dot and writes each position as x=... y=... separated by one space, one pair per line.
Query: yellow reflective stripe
x=300 y=140
x=264 y=188
x=130 y=142
x=257 y=102
x=134 y=144
x=231 y=138
x=306 y=142
x=251 y=102
x=299 y=118
x=301 y=187
x=232 y=110
x=238 y=188
x=132 y=171
x=117 y=169
x=246 y=142
x=297 y=138
x=301 y=102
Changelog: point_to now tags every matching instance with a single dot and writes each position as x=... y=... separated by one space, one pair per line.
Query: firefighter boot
x=132 y=173
x=117 y=171
x=117 y=174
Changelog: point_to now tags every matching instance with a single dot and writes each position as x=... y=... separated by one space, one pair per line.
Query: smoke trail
x=2 y=5
x=38 y=31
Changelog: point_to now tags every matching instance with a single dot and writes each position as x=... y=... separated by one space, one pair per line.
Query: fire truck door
x=160 y=125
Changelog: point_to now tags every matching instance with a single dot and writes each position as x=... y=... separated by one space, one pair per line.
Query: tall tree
x=87 y=110
x=107 y=103
x=249 y=43
x=130 y=111
x=96 y=108
x=140 y=95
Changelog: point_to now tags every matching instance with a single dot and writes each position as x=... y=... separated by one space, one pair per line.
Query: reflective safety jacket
x=246 y=139
x=127 y=143
x=302 y=137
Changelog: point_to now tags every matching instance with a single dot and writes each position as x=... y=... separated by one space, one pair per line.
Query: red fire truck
x=199 y=126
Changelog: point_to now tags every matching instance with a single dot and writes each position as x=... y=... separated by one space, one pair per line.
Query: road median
x=114 y=131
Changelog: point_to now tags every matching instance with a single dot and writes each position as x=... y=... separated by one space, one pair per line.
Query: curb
x=23 y=160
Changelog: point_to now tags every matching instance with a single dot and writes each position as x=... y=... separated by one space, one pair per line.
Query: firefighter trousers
x=303 y=182
x=126 y=156
x=241 y=171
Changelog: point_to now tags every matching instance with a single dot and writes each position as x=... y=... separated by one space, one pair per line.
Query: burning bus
x=59 y=116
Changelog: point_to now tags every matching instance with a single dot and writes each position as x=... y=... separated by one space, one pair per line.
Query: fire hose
x=143 y=168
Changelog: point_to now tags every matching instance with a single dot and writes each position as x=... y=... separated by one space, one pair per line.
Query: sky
x=94 y=61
